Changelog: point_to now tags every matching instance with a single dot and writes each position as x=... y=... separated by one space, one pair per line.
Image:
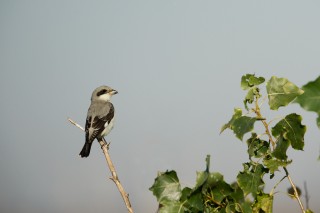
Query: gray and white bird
x=100 y=117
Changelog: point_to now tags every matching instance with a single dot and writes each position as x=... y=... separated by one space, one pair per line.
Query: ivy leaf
x=249 y=80
x=239 y=124
x=292 y=130
x=281 y=92
x=257 y=147
x=166 y=187
x=310 y=99
x=273 y=164
x=263 y=203
x=250 y=179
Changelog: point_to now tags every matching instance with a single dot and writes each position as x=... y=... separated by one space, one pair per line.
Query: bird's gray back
x=99 y=108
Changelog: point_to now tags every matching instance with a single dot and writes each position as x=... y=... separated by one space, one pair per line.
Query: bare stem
x=265 y=124
x=272 y=191
x=296 y=195
x=105 y=147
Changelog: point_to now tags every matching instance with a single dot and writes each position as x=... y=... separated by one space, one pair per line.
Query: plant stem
x=265 y=124
x=105 y=147
x=258 y=113
x=296 y=195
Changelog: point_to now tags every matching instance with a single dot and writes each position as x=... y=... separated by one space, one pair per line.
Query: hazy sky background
x=177 y=66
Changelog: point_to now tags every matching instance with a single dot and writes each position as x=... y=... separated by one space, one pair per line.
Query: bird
x=100 y=117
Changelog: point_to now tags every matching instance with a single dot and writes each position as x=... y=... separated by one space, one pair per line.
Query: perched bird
x=100 y=117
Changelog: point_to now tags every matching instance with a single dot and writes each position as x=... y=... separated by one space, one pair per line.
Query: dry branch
x=105 y=148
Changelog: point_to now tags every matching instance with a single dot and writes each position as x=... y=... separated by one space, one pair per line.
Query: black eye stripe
x=104 y=91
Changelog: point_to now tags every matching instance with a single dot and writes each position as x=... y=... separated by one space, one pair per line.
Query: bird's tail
x=85 y=150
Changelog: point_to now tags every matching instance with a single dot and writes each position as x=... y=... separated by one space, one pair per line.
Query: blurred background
x=177 y=65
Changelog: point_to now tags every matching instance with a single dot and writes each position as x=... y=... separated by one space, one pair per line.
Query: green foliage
x=264 y=203
x=281 y=92
x=210 y=194
x=239 y=123
x=267 y=152
x=257 y=148
x=310 y=99
x=291 y=129
x=250 y=82
x=250 y=179
x=167 y=187
x=273 y=164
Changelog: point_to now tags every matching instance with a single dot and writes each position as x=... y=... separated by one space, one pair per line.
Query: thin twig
x=105 y=147
x=74 y=123
x=265 y=124
x=275 y=186
x=296 y=195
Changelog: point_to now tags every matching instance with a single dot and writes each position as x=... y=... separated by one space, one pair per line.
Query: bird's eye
x=101 y=92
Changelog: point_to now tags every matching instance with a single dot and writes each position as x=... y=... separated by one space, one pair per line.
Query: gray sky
x=177 y=66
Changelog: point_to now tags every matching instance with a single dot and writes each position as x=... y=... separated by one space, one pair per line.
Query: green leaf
x=257 y=147
x=250 y=179
x=172 y=206
x=237 y=192
x=196 y=201
x=249 y=80
x=239 y=124
x=273 y=164
x=221 y=191
x=186 y=191
x=280 y=152
x=253 y=92
x=166 y=187
x=237 y=114
x=281 y=92
x=244 y=207
x=201 y=179
x=243 y=125
x=263 y=203
x=310 y=99
x=214 y=179
x=292 y=130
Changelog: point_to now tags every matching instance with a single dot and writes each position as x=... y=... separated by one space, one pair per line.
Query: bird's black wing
x=95 y=126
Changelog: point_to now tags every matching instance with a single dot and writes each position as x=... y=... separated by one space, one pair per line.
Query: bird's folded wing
x=95 y=126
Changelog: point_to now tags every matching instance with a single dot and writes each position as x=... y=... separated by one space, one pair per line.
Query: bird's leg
x=103 y=143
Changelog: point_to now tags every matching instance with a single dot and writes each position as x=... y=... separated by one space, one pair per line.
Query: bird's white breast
x=107 y=128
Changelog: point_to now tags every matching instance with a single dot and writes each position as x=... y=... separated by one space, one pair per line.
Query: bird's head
x=103 y=93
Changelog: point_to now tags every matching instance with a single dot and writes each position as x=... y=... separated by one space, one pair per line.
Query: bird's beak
x=113 y=92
